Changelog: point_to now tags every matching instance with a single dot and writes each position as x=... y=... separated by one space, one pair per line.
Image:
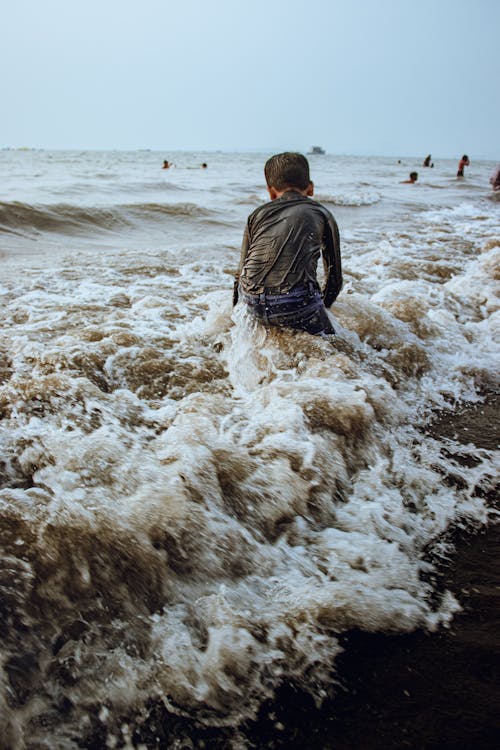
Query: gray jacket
x=282 y=244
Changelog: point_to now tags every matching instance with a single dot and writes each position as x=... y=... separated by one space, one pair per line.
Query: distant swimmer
x=204 y=165
x=464 y=162
x=427 y=161
x=412 y=180
x=495 y=179
x=166 y=164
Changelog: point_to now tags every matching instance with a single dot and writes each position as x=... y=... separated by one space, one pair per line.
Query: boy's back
x=283 y=242
x=281 y=247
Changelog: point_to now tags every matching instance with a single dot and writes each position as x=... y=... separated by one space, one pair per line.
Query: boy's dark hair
x=414 y=175
x=287 y=170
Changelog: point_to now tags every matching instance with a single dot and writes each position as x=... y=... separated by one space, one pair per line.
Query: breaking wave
x=349 y=199
x=26 y=219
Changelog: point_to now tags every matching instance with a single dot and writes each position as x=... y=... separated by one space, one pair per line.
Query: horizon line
x=247 y=150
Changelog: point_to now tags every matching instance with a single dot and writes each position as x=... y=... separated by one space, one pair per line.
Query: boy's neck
x=307 y=192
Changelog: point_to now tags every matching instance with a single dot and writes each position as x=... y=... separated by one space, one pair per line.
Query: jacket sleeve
x=244 y=250
x=331 y=261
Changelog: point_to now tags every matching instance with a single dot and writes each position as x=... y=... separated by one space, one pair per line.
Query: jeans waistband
x=279 y=291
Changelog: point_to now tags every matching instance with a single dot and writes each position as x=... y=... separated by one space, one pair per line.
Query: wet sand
x=413 y=691
x=421 y=691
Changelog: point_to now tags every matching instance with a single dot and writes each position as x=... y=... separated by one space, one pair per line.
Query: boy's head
x=413 y=176
x=287 y=171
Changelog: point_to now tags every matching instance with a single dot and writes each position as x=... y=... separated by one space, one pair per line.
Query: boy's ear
x=310 y=189
x=273 y=193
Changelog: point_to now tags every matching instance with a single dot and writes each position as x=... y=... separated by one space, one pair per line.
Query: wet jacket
x=282 y=244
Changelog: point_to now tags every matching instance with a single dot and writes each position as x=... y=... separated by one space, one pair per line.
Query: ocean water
x=194 y=509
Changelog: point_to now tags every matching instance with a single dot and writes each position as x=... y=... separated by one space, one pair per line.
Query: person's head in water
x=288 y=171
x=413 y=178
x=204 y=165
x=166 y=164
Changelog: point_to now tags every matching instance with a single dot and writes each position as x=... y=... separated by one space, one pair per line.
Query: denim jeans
x=302 y=308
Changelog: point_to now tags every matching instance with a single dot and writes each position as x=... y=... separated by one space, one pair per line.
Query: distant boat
x=317 y=150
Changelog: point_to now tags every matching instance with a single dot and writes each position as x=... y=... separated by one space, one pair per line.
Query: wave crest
x=28 y=219
x=349 y=199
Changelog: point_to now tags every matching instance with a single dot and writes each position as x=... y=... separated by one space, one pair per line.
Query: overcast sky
x=382 y=77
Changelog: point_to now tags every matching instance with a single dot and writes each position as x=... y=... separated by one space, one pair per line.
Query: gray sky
x=395 y=77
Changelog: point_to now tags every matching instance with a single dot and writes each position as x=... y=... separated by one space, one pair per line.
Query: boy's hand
x=328 y=299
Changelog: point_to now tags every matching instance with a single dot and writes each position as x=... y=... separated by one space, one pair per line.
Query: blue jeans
x=302 y=308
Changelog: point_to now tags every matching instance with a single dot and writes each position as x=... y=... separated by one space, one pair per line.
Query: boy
x=281 y=247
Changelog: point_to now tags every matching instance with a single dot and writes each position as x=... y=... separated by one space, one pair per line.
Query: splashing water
x=195 y=508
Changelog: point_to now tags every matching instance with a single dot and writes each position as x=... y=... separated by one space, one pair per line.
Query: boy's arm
x=244 y=250
x=331 y=261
